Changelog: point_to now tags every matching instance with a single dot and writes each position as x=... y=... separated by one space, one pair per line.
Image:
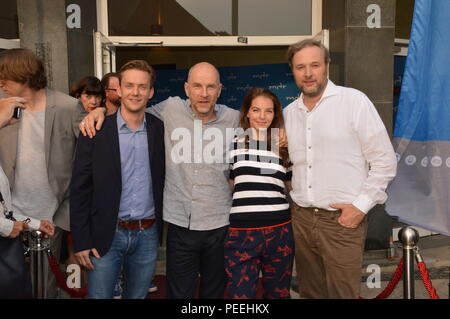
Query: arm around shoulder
x=170 y=104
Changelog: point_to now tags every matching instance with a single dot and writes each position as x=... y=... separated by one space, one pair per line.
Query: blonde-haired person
x=117 y=191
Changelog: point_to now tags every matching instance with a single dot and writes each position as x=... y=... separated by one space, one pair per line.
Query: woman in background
x=90 y=92
x=260 y=234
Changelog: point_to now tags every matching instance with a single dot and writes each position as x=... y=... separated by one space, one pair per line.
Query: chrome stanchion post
x=409 y=238
x=38 y=246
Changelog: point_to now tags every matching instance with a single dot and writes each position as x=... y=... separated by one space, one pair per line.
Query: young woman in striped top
x=260 y=235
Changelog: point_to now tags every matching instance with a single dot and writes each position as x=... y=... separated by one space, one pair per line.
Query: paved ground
x=435 y=251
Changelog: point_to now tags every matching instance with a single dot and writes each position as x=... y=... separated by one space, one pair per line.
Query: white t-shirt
x=32 y=195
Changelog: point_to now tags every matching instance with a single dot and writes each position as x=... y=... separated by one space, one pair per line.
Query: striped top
x=259 y=198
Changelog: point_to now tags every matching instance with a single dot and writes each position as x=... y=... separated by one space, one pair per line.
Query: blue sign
x=237 y=81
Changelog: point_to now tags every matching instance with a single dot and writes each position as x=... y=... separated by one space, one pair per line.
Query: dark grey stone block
x=357 y=12
x=369 y=62
x=379 y=230
x=333 y=14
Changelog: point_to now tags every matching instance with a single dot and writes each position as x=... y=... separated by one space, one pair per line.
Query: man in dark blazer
x=117 y=191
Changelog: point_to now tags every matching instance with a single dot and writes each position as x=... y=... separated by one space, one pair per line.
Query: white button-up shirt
x=341 y=152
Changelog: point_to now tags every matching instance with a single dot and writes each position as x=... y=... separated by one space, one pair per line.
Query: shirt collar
x=330 y=90
x=121 y=124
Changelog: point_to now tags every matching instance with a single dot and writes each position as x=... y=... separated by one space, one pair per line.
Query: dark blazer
x=96 y=184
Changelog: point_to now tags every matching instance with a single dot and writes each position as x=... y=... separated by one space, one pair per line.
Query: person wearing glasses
x=110 y=83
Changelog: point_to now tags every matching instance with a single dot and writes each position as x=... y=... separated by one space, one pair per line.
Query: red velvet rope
x=392 y=283
x=398 y=274
x=62 y=280
x=426 y=280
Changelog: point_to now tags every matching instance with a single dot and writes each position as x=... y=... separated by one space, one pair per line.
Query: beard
x=317 y=91
x=116 y=102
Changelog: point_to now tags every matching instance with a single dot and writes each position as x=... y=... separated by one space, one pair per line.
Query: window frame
x=6 y=44
x=175 y=41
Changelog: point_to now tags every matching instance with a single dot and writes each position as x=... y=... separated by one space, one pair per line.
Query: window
x=208 y=22
x=209 y=18
x=9 y=26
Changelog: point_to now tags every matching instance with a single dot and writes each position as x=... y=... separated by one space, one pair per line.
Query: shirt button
x=309 y=129
x=309 y=147
x=309 y=166
x=309 y=186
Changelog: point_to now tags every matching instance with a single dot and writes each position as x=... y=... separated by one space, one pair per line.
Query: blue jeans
x=136 y=251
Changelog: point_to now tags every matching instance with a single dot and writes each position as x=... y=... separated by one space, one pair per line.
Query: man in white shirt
x=342 y=161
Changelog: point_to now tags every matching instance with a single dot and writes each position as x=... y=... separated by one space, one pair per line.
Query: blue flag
x=420 y=194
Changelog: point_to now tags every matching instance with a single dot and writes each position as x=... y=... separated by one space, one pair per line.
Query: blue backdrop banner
x=237 y=81
x=420 y=193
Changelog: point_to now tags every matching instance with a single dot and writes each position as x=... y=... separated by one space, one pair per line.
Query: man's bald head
x=203 y=68
x=203 y=89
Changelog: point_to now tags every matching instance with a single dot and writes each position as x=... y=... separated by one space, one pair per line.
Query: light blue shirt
x=136 y=201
